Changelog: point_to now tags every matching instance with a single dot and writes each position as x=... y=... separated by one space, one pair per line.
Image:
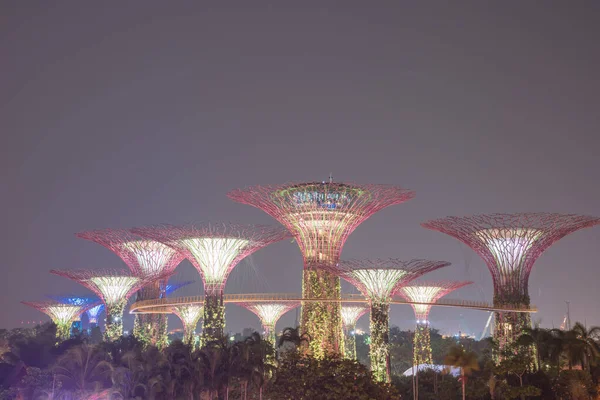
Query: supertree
x=114 y=288
x=379 y=280
x=269 y=313
x=321 y=216
x=350 y=315
x=510 y=244
x=79 y=301
x=214 y=249
x=422 y=295
x=152 y=262
x=61 y=314
x=170 y=287
x=93 y=314
x=189 y=314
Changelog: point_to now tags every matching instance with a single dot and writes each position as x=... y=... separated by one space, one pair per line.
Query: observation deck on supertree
x=379 y=280
x=214 y=250
x=350 y=316
x=61 y=314
x=149 y=260
x=427 y=293
x=114 y=287
x=510 y=244
x=269 y=313
x=189 y=314
x=321 y=216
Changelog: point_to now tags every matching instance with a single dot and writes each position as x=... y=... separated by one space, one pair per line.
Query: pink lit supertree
x=350 y=316
x=189 y=314
x=61 y=314
x=379 y=280
x=113 y=287
x=510 y=244
x=214 y=249
x=152 y=262
x=269 y=313
x=321 y=216
x=422 y=295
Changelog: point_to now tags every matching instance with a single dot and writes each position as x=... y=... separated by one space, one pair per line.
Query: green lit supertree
x=61 y=314
x=214 y=249
x=113 y=287
x=269 y=313
x=422 y=295
x=379 y=280
x=189 y=314
x=152 y=262
x=350 y=316
x=321 y=216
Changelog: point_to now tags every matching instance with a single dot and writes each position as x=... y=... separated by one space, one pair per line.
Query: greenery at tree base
x=34 y=367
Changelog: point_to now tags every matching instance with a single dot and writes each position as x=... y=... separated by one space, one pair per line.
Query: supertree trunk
x=63 y=331
x=349 y=343
x=380 y=353
x=151 y=329
x=114 y=321
x=270 y=335
x=422 y=345
x=322 y=320
x=213 y=323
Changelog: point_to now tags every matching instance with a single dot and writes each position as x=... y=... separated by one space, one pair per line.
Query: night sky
x=120 y=114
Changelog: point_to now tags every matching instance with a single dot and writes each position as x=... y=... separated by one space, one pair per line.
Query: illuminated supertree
x=114 y=288
x=189 y=314
x=171 y=287
x=61 y=314
x=321 y=216
x=214 y=249
x=510 y=244
x=379 y=280
x=425 y=292
x=269 y=313
x=152 y=262
x=93 y=314
x=350 y=315
x=78 y=301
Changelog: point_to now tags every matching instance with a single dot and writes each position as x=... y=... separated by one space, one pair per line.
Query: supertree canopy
x=61 y=314
x=189 y=314
x=113 y=287
x=75 y=300
x=269 y=313
x=149 y=260
x=425 y=293
x=378 y=280
x=350 y=315
x=321 y=216
x=93 y=314
x=214 y=249
x=510 y=244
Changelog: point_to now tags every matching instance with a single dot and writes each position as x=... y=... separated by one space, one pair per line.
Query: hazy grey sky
x=117 y=114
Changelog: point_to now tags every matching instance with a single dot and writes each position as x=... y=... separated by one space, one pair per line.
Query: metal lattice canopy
x=351 y=313
x=189 y=314
x=214 y=249
x=112 y=286
x=145 y=258
x=60 y=313
x=511 y=243
x=269 y=312
x=321 y=215
x=427 y=292
x=380 y=279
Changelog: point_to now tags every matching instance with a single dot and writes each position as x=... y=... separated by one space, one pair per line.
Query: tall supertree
x=422 y=295
x=350 y=315
x=510 y=244
x=214 y=249
x=152 y=262
x=189 y=314
x=269 y=313
x=61 y=314
x=114 y=288
x=379 y=280
x=321 y=216
x=93 y=314
x=79 y=301
x=171 y=287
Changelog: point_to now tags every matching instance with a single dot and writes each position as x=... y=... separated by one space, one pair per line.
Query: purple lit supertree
x=152 y=262
x=214 y=249
x=113 y=287
x=379 y=280
x=61 y=314
x=510 y=244
x=321 y=216
x=350 y=315
x=269 y=313
x=93 y=314
x=189 y=314
x=422 y=295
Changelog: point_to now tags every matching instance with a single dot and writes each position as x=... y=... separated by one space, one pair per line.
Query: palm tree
x=588 y=342
x=83 y=367
x=465 y=360
x=568 y=346
x=540 y=339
